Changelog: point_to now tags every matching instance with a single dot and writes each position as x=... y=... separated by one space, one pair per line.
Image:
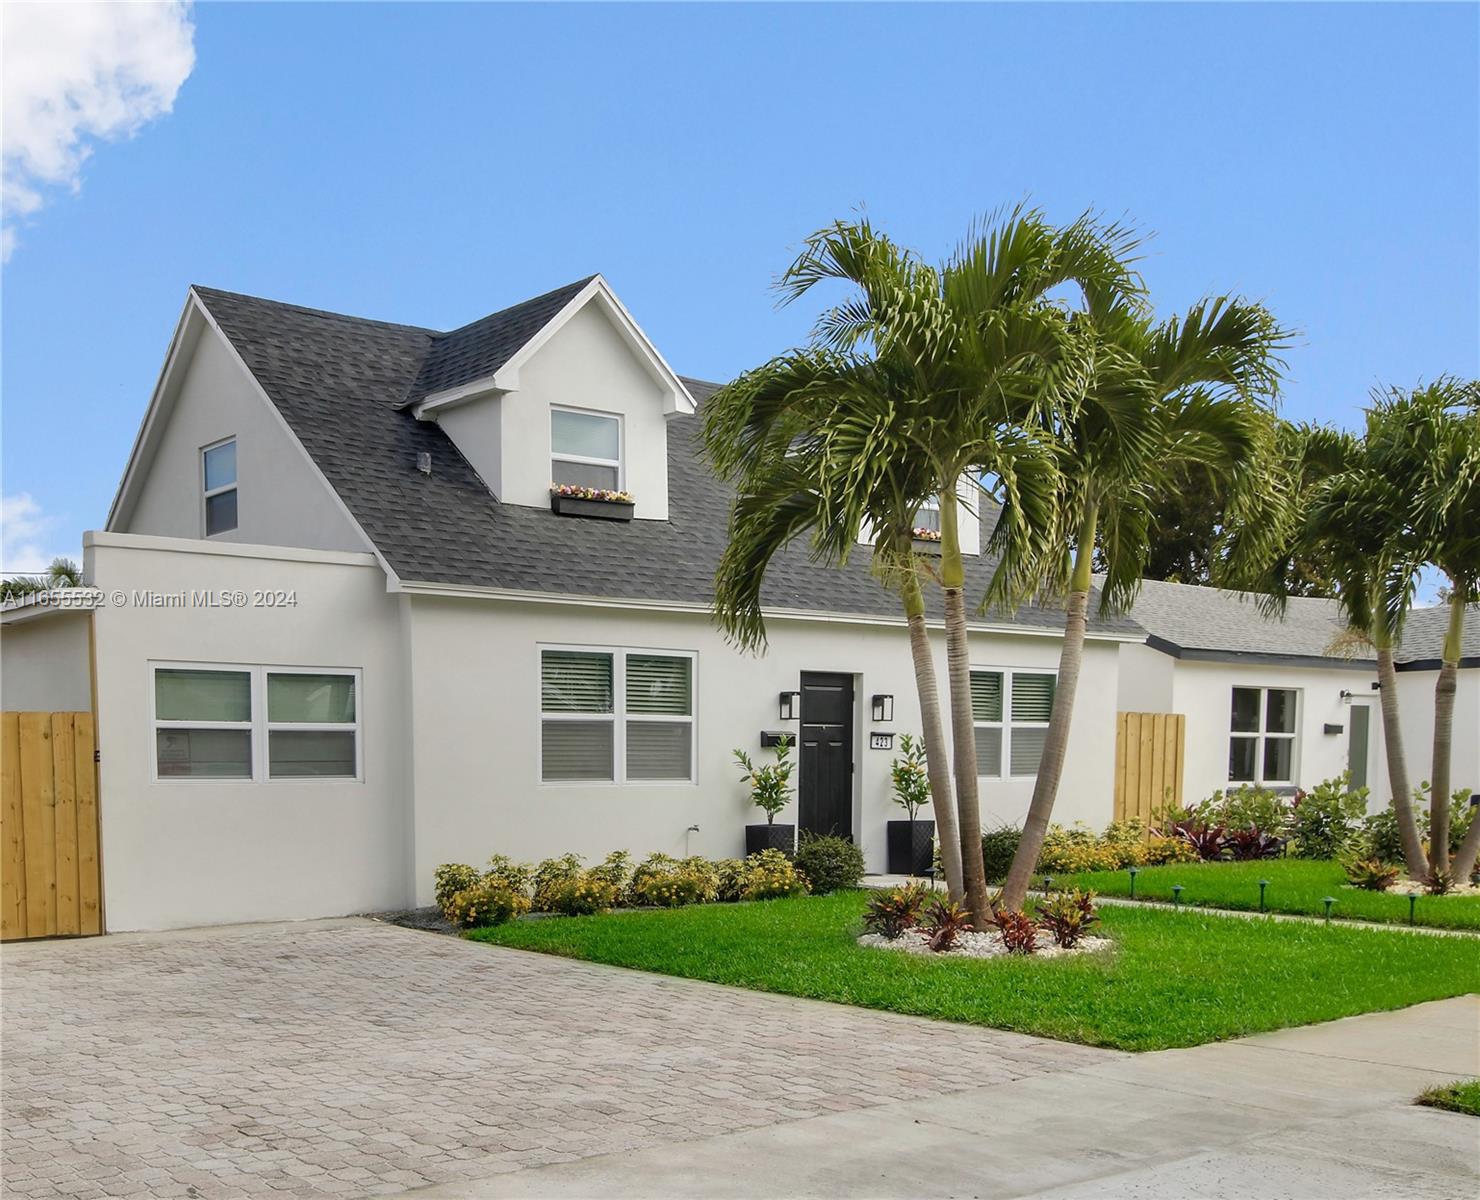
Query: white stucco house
x=334 y=634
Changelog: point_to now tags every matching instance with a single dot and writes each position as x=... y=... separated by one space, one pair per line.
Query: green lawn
x=1462 y=1097
x=1171 y=979
x=1295 y=886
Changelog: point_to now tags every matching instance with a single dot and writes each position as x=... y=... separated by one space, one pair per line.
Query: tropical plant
x=1440 y=883
x=61 y=573
x=1019 y=933
x=1324 y=820
x=889 y=913
x=1067 y=916
x=1207 y=841
x=1252 y=843
x=829 y=863
x=944 y=922
x=910 y=776
x=1371 y=874
x=1195 y=389
x=770 y=785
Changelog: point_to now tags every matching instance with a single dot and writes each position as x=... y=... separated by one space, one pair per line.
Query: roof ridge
x=574 y=285
x=205 y=290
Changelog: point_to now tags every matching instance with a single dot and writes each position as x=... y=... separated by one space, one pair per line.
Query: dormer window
x=218 y=478
x=586 y=448
x=927 y=516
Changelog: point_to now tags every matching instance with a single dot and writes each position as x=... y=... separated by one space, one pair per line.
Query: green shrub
x=615 y=869
x=829 y=863
x=730 y=874
x=551 y=876
x=665 y=882
x=998 y=848
x=1380 y=829
x=770 y=874
x=518 y=876
x=487 y=901
x=1243 y=806
x=581 y=894
x=1325 y=819
x=451 y=878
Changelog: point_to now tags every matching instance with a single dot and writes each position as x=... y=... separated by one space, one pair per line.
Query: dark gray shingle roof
x=1423 y=636
x=341 y=382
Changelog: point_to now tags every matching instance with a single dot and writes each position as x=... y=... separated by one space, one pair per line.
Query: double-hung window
x=1010 y=710
x=1262 y=735
x=586 y=448
x=927 y=516
x=218 y=481
x=254 y=723
x=616 y=716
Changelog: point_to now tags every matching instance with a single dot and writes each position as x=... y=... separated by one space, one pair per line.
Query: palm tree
x=1191 y=390
x=61 y=573
x=1430 y=438
x=988 y=355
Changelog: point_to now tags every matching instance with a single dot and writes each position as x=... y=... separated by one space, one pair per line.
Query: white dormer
x=585 y=400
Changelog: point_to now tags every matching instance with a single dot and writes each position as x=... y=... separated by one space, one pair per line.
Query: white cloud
x=27 y=536
x=78 y=74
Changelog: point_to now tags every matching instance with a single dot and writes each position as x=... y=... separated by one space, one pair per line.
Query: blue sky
x=428 y=164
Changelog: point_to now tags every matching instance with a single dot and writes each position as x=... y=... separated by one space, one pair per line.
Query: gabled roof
x=1196 y=622
x=341 y=384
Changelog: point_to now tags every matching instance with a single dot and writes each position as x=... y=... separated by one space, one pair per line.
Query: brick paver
x=353 y=1058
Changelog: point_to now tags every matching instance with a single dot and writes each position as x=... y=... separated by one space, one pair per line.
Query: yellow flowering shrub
x=666 y=882
x=1161 y=850
x=581 y=894
x=451 y=878
x=770 y=874
x=551 y=876
x=517 y=875
x=488 y=901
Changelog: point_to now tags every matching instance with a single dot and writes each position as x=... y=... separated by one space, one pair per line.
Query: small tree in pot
x=911 y=843
x=770 y=791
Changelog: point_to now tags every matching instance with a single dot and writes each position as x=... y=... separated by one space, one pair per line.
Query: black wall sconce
x=1345 y=697
x=883 y=707
x=791 y=705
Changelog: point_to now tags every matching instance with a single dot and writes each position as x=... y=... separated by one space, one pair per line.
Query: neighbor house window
x=1010 y=710
x=613 y=716
x=218 y=476
x=586 y=448
x=1261 y=744
x=927 y=516
x=256 y=723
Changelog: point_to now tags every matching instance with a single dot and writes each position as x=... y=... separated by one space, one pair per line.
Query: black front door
x=825 y=798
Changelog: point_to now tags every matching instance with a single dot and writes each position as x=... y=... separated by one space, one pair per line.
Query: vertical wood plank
x=38 y=803
x=1132 y=755
x=89 y=873
x=1181 y=754
x=64 y=792
x=1148 y=755
x=1155 y=791
x=12 y=831
x=1120 y=723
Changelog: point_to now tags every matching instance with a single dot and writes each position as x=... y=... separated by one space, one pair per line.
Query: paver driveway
x=354 y=1058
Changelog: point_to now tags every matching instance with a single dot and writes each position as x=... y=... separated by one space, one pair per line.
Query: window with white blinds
x=1010 y=710
x=616 y=716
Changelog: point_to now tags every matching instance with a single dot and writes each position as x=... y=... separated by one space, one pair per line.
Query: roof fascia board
x=1254 y=658
x=438 y=402
x=123 y=499
x=308 y=458
x=1434 y=664
x=514 y=595
x=172 y=545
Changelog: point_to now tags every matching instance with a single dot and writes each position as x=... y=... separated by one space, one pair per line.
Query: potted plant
x=573 y=500
x=770 y=791
x=911 y=843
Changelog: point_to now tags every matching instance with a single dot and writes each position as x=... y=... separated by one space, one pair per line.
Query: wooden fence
x=50 y=883
x=1149 y=749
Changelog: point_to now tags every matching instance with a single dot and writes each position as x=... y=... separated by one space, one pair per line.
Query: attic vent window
x=586 y=448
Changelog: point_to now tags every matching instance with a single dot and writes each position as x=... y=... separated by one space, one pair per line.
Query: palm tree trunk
x=1056 y=741
x=934 y=735
x=1397 y=762
x=963 y=727
x=1439 y=777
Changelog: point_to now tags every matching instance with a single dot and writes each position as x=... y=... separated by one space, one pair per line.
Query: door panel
x=825 y=797
x=1357 y=747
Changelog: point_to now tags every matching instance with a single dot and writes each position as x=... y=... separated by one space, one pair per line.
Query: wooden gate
x=49 y=878
x=1148 y=763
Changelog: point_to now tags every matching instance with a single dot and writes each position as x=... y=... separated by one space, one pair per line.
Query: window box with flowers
x=926 y=540
x=573 y=500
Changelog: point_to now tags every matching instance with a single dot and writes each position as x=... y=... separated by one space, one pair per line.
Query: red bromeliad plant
x=945 y=922
x=1253 y=843
x=1019 y=933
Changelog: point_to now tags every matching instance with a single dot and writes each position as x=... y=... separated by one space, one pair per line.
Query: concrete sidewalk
x=1323 y=1111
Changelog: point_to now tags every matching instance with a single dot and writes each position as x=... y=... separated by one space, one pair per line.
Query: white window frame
x=207 y=493
x=930 y=505
x=1260 y=736
x=259 y=727
x=1007 y=724
x=584 y=459
x=619 y=715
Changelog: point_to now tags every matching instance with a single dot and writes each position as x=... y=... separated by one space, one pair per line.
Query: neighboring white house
x=338 y=636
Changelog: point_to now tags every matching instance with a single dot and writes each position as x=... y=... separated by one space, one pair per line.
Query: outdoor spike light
x=1412 y=901
x=1134 y=871
x=1176 y=895
x=1263 y=883
x=791 y=704
x=1328 y=902
x=883 y=708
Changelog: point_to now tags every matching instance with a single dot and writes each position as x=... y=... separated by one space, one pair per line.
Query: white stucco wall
x=44 y=665
x=198 y=852
x=1204 y=692
x=475 y=695
x=1416 y=709
x=586 y=364
x=1145 y=679
x=281 y=500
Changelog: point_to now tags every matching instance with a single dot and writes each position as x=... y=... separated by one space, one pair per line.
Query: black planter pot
x=911 y=847
x=606 y=510
x=771 y=837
